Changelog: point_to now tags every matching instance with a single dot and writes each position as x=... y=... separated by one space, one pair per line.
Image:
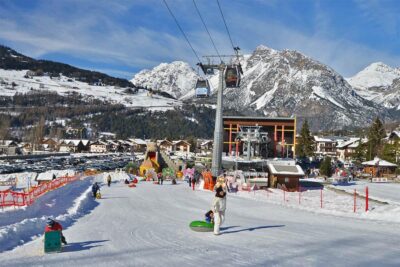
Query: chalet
x=49 y=144
x=284 y=174
x=139 y=145
x=98 y=147
x=206 y=146
x=379 y=168
x=165 y=145
x=181 y=145
x=393 y=137
x=114 y=146
x=325 y=146
x=8 y=147
x=346 y=149
x=74 y=145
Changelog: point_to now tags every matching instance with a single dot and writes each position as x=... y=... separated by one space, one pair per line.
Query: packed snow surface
x=148 y=226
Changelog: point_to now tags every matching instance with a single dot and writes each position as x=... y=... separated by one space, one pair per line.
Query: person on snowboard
x=109 y=180
x=95 y=189
x=52 y=225
x=219 y=204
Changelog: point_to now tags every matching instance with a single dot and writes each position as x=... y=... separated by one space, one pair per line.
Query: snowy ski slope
x=148 y=226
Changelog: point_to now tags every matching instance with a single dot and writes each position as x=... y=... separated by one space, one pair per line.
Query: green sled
x=201 y=226
x=52 y=242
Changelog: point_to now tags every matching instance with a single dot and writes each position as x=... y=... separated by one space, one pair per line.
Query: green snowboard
x=201 y=226
x=52 y=242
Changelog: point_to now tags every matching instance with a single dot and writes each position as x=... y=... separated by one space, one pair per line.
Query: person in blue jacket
x=95 y=189
x=209 y=216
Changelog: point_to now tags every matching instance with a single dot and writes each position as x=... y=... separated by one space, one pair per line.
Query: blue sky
x=121 y=37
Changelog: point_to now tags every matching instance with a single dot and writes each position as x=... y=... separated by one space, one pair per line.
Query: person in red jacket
x=52 y=225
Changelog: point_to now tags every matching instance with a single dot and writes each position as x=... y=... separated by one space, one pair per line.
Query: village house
x=49 y=144
x=139 y=145
x=325 y=146
x=393 y=137
x=114 y=146
x=98 y=147
x=379 y=168
x=166 y=145
x=181 y=145
x=74 y=145
x=8 y=147
x=346 y=149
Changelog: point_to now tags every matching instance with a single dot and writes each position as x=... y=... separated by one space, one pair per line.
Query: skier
x=52 y=225
x=95 y=189
x=160 y=178
x=109 y=180
x=219 y=204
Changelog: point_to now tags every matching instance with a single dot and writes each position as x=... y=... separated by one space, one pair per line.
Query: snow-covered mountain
x=17 y=81
x=176 y=78
x=285 y=83
x=379 y=83
x=279 y=83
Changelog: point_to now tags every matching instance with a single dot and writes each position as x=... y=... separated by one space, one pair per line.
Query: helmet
x=50 y=222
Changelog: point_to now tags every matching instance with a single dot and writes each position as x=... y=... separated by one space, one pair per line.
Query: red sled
x=131 y=185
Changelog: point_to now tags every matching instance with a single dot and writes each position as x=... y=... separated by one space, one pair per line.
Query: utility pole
x=219 y=127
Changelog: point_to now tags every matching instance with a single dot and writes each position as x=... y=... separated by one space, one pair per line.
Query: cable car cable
x=205 y=26
x=226 y=26
x=180 y=28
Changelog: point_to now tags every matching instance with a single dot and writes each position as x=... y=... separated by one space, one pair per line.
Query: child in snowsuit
x=51 y=226
x=209 y=216
x=95 y=189
x=219 y=204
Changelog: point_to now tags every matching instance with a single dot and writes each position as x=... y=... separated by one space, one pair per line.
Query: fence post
x=321 y=198
x=366 y=199
x=299 y=195
x=355 y=200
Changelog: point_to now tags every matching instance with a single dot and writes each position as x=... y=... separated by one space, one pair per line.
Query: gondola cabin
x=202 y=88
x=232 y=76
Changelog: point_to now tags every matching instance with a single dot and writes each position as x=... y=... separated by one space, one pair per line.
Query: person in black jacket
x=95 y=189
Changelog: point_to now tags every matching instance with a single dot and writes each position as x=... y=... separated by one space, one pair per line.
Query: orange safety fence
x=9 y=198
x=208 y=180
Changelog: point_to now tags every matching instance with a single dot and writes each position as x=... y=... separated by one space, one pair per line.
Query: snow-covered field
x=65 y=85
x=148 y=226
x=387 y=192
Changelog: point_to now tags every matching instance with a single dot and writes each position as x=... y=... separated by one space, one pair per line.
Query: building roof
x=138 y=141
x=285 y=168
x=379 y=163
x=322 y=139
x=181 y=141
x=354 y=141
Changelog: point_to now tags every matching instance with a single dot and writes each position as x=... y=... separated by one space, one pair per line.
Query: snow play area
x=148 y=225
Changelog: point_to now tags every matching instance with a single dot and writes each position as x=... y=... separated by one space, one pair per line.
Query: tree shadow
x=253 y=228
x=79 y=246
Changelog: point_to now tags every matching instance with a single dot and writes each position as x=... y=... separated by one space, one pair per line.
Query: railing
x=9 y=198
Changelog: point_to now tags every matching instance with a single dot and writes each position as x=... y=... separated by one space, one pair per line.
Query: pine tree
x=305 y=146
x=389 y=151
x=359 y=153
x=376 y=133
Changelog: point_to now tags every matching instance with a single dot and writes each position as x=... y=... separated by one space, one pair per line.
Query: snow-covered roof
x=138 y=141
x=111 y=142
x=206 y=142
x=353 y=141
x=7 y=142
x=379 y=162
x=180 y=141
x=288 y=169
x=322 y=139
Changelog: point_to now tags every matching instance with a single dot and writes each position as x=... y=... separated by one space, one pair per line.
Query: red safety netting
x=17 y=199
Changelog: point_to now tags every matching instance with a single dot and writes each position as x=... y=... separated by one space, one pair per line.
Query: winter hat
x=50 y=221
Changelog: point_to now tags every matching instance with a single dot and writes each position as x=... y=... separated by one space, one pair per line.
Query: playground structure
x=150 y=163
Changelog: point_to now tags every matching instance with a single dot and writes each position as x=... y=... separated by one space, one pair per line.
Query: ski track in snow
x=148 y=226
